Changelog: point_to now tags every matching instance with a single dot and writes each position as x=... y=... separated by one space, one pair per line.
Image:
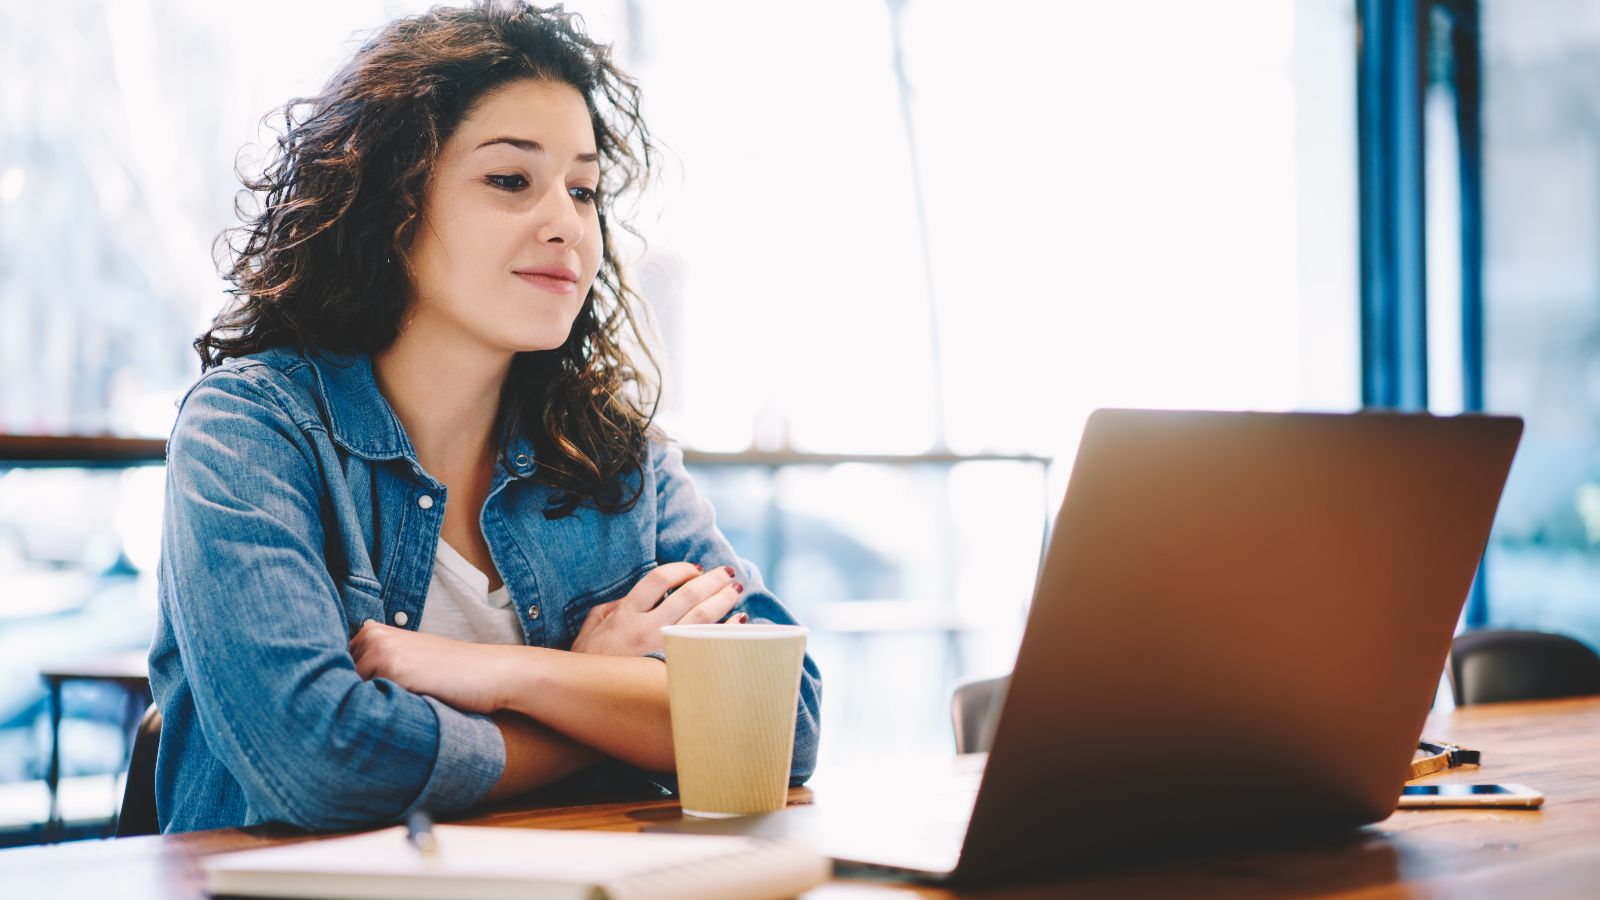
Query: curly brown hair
x=321 y=262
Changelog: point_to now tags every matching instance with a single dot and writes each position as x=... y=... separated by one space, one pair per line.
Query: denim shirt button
x=533 y=612
x=522 y=460
x=400 y=618
x=425 y=501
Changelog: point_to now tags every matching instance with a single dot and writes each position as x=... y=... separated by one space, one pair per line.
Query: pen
x=419 y=831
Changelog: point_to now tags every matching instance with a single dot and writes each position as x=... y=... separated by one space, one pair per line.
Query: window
x=1542 y=281
x=963 y=232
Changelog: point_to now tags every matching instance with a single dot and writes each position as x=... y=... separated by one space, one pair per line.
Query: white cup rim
x=735 y=632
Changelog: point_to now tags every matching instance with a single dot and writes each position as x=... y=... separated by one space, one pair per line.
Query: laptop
x=1236 y=635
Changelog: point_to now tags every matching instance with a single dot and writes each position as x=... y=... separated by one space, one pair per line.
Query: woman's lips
x=551 y=283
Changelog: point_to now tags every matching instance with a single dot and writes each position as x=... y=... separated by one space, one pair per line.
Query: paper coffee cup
x=734 y=691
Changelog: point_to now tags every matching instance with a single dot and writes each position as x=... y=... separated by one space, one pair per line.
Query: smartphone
x=1518 y=796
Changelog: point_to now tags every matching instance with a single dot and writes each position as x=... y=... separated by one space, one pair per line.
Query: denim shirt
x=295 y=511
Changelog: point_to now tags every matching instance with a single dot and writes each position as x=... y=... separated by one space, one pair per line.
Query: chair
x=1497 y=666
x=138 y=813
x=975 y=710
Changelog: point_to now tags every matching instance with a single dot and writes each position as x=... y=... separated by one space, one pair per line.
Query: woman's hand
x=469 y=677
x=672 y=594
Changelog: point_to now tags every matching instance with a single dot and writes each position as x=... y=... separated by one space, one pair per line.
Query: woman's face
x=509 y=239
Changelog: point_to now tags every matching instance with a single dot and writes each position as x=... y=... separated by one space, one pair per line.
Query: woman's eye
x=583 y=194
x=508 y=182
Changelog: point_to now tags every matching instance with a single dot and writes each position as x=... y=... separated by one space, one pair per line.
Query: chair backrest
x=138 y=814
x=975 y=710
x=1497 y=666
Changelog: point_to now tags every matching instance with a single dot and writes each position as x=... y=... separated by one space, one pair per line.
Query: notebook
x=474 y=863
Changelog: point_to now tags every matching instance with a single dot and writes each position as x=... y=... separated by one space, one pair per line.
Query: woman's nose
x=558 y=218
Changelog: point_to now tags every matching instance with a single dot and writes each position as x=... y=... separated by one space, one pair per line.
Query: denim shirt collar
x=361 y=420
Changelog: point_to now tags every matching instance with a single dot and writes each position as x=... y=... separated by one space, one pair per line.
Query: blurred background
x=898 y=251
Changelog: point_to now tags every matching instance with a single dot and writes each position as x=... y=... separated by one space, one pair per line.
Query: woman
x=420 y=536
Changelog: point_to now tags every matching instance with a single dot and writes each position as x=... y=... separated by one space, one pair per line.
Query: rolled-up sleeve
x=263 y=639
x=471 y=756
x=686 y=531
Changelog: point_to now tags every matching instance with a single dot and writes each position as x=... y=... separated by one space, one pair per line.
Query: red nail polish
x=743 y=618
x=729 y=570
x=738 y=588
x=698 y=567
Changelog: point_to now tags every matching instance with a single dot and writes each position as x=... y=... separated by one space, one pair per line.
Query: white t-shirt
x=461 y=606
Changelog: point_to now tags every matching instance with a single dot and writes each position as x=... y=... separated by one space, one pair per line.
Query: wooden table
x=1555 y=852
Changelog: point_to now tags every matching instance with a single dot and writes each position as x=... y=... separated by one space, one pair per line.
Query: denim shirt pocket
x=615 y=588
x=362 y=599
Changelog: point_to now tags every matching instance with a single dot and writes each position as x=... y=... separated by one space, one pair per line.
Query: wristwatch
x=1436 y=756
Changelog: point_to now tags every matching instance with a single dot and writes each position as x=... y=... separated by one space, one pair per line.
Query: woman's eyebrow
x=534 y=147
